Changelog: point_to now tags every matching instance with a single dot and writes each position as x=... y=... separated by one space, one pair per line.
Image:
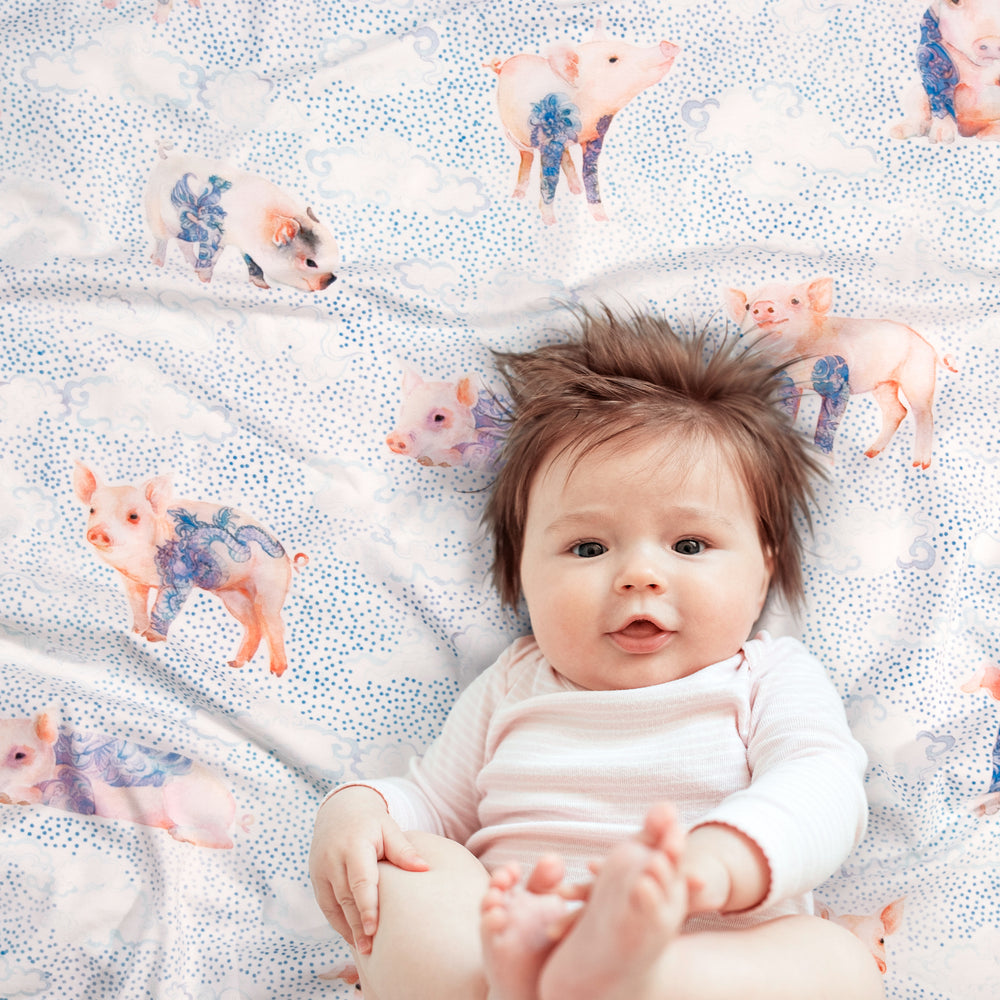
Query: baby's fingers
x=358 y=898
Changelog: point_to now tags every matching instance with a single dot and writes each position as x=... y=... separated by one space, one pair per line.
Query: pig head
x=206 y=206
x=43 y=762
x=959 y=63
x=870 y=929
x=27 y=757
x=447 y=423
x=569 y=97
x=166 y=547
x=843 y=356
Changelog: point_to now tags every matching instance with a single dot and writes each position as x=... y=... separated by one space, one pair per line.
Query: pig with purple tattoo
x=568 y=97
x=841 y=356
x=45 y=763
x=958 y=59
x=448 y=423
x=167 y=547
x=206 y=205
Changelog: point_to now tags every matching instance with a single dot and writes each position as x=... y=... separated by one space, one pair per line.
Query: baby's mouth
x=641 y=628
x=641 y=635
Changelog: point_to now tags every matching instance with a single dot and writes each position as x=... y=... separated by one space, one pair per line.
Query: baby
x=672 y=788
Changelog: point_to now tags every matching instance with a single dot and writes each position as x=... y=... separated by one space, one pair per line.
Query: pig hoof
x=237 y=664
x=278 y=668
x=150 y=636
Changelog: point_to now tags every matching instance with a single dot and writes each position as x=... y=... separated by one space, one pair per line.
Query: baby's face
x=639 y=569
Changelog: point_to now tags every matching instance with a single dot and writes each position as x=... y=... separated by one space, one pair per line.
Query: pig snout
x=99 y=537
x=763 y=312
x=399 y=443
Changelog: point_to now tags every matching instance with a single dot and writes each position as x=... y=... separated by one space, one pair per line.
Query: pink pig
x=161 y=8
x=871 y=929
x=447 y=423
x=880 y=356
x=206 y=206
x=42 y=762
x=169 y=546
x=569 y=96
x=959 y=62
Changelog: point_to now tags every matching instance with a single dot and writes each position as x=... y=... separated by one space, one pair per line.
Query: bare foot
x=636 y=908
x=520 y=927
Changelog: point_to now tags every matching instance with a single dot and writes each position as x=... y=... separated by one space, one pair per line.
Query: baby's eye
x=588 y=550
x=689 y=547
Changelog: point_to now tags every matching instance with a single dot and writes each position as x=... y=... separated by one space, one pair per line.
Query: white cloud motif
x=381 y=65
x=246 y=100
x=122 y=62
x=36 y=225
x=784 y=135
x=870 y=542
x=24 y=401
x=18 y=981
x=23 y=507
x=392 y=172
x=438 y=279
x=133 y=396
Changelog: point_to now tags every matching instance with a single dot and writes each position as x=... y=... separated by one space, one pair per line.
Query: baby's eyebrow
x=688 y=515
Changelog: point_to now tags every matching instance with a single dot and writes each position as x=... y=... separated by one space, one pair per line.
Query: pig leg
x=789 y=394
x=591 y=152
x=254 y=269
x=523 y=173
x=829 y=379
x=201 y=812
x=138 y=600
x=569 y=171
x=887 y=396
x=243 y=608
x=201 y=265
x=159 y=254
x=550 y=154
x=162 y=11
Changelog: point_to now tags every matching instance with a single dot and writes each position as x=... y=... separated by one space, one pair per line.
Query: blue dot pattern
x=790 y=141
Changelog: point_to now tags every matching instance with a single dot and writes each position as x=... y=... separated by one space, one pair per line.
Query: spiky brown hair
x=628 y=375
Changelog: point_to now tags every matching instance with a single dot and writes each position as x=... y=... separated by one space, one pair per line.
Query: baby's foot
x=635 y=911
x=520 y=927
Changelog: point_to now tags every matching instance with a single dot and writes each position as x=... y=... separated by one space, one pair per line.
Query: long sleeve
x=805 y=805
x=439 y=792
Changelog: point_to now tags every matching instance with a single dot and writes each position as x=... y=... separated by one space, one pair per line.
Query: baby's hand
x=353 y=832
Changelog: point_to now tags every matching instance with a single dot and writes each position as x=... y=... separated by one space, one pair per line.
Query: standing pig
x=447 y=423
x=168 y=547
x=842 y=355
x=959 y=62
x=43 y=762
x=569 y=96
x=206 y=205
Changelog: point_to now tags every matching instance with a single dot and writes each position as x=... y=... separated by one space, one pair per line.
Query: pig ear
x=84 y=482
x=565 y=63
x=411 y=379
x=821 y=294
x=600 y=32
x=159 y=492
x=285 y=230
x=465 y=392
x=47 y=726
x=736 y=304
x=892 y=916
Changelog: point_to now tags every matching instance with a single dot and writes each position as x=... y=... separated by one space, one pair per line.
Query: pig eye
x=795 y=301
x=311 y=263
x=21 y=755
x=133 y=516
x=613 y=59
